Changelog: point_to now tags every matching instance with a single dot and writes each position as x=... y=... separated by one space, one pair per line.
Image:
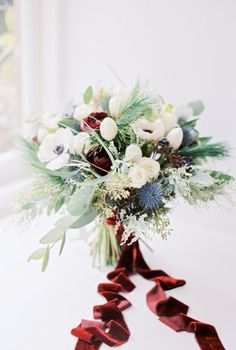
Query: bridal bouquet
x=121 y=159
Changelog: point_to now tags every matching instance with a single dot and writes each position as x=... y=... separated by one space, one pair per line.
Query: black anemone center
x=147 y=130
x=59 y=149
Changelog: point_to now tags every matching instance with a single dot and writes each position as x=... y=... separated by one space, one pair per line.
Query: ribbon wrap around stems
x=113 y=330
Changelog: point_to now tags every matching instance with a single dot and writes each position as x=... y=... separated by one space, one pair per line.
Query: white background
x=186 y=50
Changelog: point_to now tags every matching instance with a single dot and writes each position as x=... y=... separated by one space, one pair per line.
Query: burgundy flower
x=93 y=120
x=99 y=159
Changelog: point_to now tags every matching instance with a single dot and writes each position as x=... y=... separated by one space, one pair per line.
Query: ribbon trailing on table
x=113 y=330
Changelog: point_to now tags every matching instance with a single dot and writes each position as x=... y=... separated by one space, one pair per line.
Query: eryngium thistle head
x=151 y=195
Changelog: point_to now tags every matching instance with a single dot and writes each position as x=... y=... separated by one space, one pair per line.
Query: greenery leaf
x=197 y=107
x=45 y=259
x=65 y=222
x=84 y=220
x=59 y=204
x=80 y=201
x=63 y=241
x=222 y=177
x=88 y=95
x=70 y=123
x=37 y=254
x=53 y=236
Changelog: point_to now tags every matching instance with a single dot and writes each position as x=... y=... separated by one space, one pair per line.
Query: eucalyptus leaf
x=197 y=107
x=63 y=241
x=53 y=236
x=37 y=254
x=45 y=259
x=59 y=204
x=88 y=95
x=203 y=179
x=65 y=222
x=84 y=220
x=80 y=201
x=29 y=205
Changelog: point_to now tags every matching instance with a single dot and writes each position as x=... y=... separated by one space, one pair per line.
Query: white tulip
x=146 y=130
x=54 y=149
x=108 y=129
x=138 y=176
x=80 y=143
x=133 y=153
x=175 y=137
x=151 y=166
x=169 y=117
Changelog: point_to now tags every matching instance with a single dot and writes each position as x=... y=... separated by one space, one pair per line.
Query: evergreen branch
x=217 y=150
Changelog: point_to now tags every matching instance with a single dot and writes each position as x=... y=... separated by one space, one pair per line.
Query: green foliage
x=80 y=201
x=88 y=95
x=203 y=150
x=70 y=123
x=37 y=254
x=52 y=236
x=137 y=104
x=45 y=259
x=85 y=219
x=197 y=107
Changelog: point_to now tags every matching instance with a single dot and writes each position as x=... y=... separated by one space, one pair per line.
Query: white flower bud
x=175 y=137
x=108 y=129
x=133 y=153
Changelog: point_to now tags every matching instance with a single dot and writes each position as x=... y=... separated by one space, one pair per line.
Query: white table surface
x=38 y=310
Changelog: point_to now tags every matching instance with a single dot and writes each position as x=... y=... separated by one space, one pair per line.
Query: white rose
x=80 y=143
x=54 y=149
x=146 y=130
x=138 y=176
x=108 y=129
x=151 y=166
x=133 y=153
x=82 y=111
x=175 y=137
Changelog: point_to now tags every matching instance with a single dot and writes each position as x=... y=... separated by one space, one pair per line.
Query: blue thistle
x=151 y=195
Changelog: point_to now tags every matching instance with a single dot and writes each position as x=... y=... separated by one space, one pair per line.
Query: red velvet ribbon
x=113 y=330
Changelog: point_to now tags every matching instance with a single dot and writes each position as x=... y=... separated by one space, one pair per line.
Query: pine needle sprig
x=137 y=104
x=214 y=150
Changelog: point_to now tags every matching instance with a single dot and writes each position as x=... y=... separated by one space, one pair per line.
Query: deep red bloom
x=93 y=120
x=99 y=159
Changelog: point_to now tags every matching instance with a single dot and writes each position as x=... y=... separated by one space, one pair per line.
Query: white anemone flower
x=54 y=149
x=150 y=131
